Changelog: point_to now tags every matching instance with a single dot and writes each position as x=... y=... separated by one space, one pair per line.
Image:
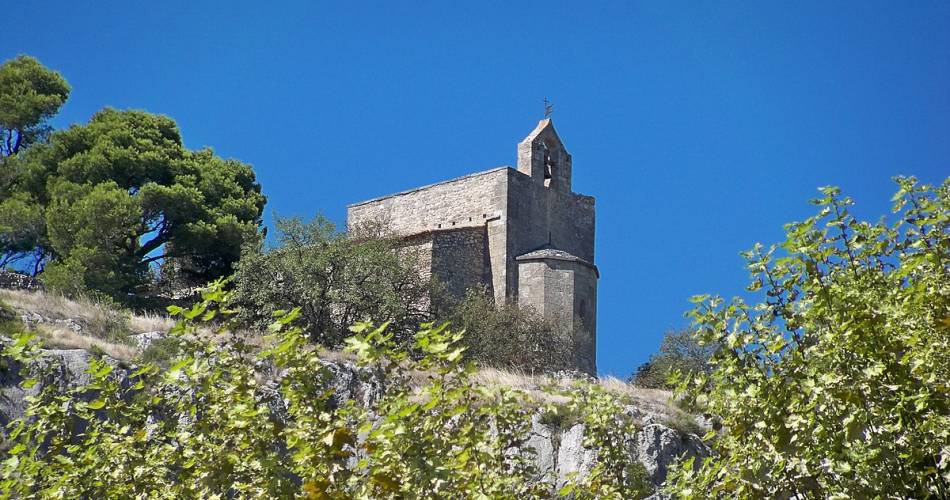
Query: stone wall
x=17 y=281
x=475 y=201
x=565 y=291
x=463 y=202
x=460 y=260
x=539 y=216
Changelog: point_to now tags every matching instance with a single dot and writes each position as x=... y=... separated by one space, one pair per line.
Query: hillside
x=73 y=333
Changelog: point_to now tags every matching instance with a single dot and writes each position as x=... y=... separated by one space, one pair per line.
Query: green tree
x=30 y=94
x=679 y=351
x=121 y=192
x=22 y=231
x=835 y=384
x=336 y=279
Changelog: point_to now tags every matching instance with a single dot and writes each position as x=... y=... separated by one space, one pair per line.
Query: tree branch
x=160 y=239
x=19 y=141
x=7 y=136
x=149 y=260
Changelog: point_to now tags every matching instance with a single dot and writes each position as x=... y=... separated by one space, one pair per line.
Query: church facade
x=522 y=234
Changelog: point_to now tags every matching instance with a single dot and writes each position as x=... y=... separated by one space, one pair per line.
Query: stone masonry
x=522 y=233
x=17 y=281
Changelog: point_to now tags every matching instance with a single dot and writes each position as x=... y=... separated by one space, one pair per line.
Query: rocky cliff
x=558 y=447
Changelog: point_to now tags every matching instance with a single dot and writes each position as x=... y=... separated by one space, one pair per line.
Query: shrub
x=335 y=279
x=679 y=351
x=161 y=352
x=512 y=337
x=10 y=325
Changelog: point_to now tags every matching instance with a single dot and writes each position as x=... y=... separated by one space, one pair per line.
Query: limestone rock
x=67 y=369
x=572 y=457
x=352 y=382
x=143 y=340
x=658 y=446
x=541 y=443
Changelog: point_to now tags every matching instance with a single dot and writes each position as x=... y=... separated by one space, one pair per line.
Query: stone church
x=521 y=233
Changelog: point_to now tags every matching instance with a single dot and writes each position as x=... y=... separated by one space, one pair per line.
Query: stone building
x=521 y=233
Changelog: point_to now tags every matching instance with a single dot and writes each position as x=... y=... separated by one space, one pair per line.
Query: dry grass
x=64 y=338
x=54 y=305
x=533 y=383
x=89 y=311
x=104 y=327
x=543 y=390
x=142 y=322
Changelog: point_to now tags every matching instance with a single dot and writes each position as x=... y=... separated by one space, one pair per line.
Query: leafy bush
x=509 y=336
x=161 y=352
x=334 y=278
x=835 y=384
x=211 y=426
x=10 y=325
x=679 y=351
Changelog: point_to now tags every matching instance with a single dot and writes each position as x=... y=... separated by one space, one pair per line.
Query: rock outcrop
x=68 y=370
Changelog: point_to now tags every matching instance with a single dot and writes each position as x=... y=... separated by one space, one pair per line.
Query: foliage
x=509 y=336
x=161 y=352
x=22 y=230
x=213 y=426
x=679 y=351
x=334 y=278
x=30 y=94
x=122 y=192
x=835 y=385
x=9 y=323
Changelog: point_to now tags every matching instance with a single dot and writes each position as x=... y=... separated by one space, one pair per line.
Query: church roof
x=548 y=252
x=544 y=125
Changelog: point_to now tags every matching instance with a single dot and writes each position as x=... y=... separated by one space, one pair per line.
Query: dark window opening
x=549 y=165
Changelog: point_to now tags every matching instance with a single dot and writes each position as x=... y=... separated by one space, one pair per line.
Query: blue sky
x=700 y=127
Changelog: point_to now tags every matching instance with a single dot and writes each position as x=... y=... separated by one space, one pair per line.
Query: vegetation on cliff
x=679 y=352
x=214 y=425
